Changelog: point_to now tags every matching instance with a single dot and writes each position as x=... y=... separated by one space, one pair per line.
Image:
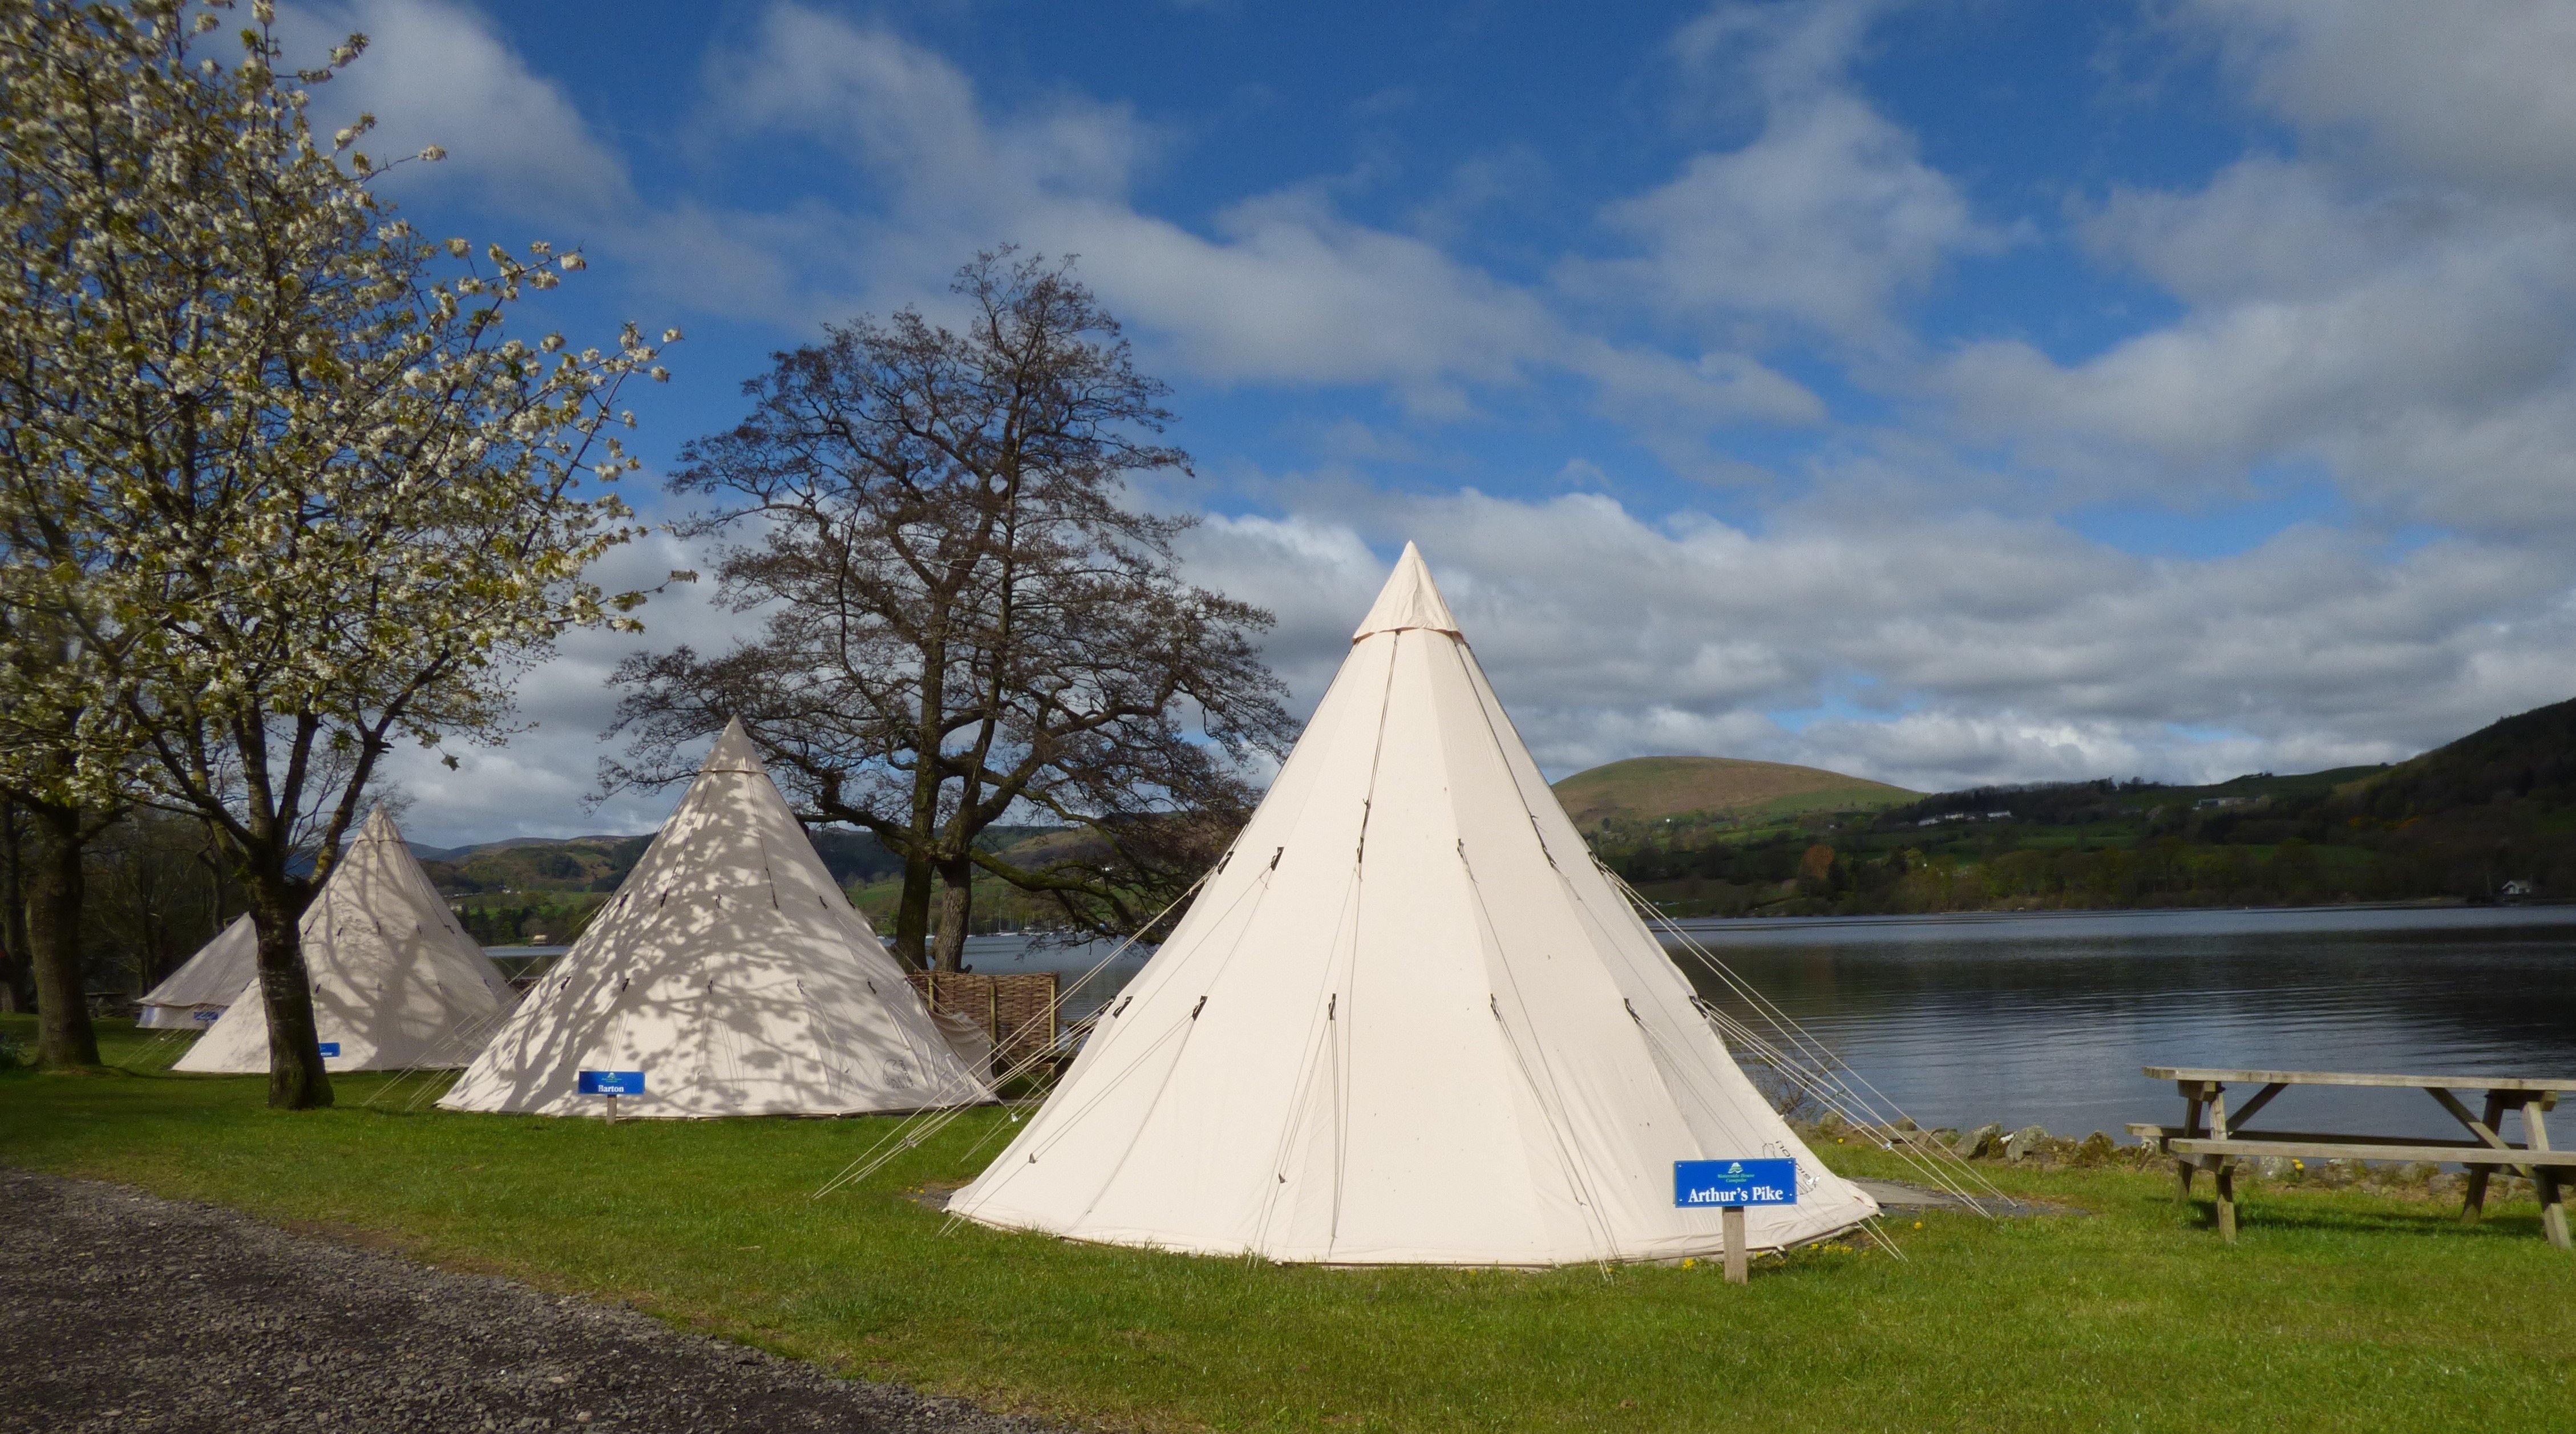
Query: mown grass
x=2336 y=1311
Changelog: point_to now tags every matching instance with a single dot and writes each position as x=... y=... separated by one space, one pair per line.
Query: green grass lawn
x=2336 y=1311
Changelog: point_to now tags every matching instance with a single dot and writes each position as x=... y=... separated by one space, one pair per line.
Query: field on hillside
x=1651 y=788
x=2336 y=1311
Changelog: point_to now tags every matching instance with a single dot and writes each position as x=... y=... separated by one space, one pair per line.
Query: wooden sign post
x=1730 y=1185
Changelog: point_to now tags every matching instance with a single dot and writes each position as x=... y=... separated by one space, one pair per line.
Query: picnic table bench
x=2209 y=1139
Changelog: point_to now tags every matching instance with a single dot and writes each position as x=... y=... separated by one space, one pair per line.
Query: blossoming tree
x=275 y=468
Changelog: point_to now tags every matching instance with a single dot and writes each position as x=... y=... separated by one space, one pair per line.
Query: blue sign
x=330 y=1048
x=612 y=1082
x=208 y=1016
x=1735 y=1182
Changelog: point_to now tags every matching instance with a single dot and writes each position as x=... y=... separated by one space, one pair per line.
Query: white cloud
x=2391 y=305
x=1933 y=654
x=2468 y=94
x=539 y=781
x=2419 y=348
x=2385 y=302
x=435 y=72
x=1941 y=652
x=1827 y=218
x=1283 y=289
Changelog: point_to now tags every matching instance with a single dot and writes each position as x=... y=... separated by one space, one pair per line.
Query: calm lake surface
x=2045 y=1018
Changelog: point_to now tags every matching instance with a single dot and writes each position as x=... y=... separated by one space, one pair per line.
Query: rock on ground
x=123 y=1312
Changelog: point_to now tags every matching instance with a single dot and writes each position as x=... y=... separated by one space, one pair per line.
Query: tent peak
x=1409 y=599
x=733 y=752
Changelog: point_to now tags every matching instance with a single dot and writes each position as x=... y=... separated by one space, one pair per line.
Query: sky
x=1945 y=392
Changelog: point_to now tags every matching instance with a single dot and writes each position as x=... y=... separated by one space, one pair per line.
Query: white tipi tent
x=194 y=996
x=1407 y=1021
x=397 y=984
x=733 y=974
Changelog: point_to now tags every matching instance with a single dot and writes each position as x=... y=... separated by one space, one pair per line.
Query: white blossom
x=262 y=466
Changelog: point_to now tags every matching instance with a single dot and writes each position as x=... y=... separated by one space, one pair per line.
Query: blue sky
x=1944 y=392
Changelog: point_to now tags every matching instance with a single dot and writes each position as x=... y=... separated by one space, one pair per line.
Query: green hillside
x=1651 y=788
x=2491 y=816
x=2525 y=759
x=540 y=890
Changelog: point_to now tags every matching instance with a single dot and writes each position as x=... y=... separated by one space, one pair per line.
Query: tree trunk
x=64 y=1036
x=956 y=909
x=296 y=1080
x=16 y=980
x=912 y=917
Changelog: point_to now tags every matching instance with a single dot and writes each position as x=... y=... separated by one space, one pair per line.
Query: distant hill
x=1647 y=788
x=2526 y=758
x=599 y=863
x=590 y=863
x=2489 y=817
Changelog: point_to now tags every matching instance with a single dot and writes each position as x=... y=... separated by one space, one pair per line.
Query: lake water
x=2045 y=1018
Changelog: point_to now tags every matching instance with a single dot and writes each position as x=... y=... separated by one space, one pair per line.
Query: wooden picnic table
x=2209 y=1139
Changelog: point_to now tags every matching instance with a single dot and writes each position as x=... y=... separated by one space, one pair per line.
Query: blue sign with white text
x=330 y=1048
x=1735 y=1182
x=612 y=1082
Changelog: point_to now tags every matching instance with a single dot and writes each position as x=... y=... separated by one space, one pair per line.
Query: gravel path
x=123 y=1312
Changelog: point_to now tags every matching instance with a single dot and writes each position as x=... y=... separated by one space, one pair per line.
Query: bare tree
x=156 y=892
x=961 y=616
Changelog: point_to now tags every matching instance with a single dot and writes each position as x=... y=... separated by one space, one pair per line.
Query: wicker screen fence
x=1018 y=1009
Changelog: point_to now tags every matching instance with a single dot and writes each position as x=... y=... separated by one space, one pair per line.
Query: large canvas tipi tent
x=733 y=974
x=1406 y=1021
x=397 y=984
x=196 y=995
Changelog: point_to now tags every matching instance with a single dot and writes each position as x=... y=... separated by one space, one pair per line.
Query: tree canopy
x=278 y=483
x=962 y=613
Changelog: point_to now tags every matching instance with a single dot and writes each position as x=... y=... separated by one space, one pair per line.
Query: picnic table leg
x=2195 y=1098
x=2226 y=1179
x=2475 y=1203
x=2544 y=1178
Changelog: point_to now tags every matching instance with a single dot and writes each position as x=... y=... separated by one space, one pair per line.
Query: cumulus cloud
x=1939 y=654
x=2390 y=304
x=1283 y=289
x=2396 y=376
x=2377 y=297
x=1826 y=218
x=2475 y=95
x=438 y=74
x=540 y=781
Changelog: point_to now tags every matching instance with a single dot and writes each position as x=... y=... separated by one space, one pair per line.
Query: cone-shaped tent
x=195 y=996
x=730 y=970
x=1407 y=1021
x=397 y=984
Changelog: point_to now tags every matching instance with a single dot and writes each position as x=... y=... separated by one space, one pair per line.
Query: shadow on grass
x=2338 y=1213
